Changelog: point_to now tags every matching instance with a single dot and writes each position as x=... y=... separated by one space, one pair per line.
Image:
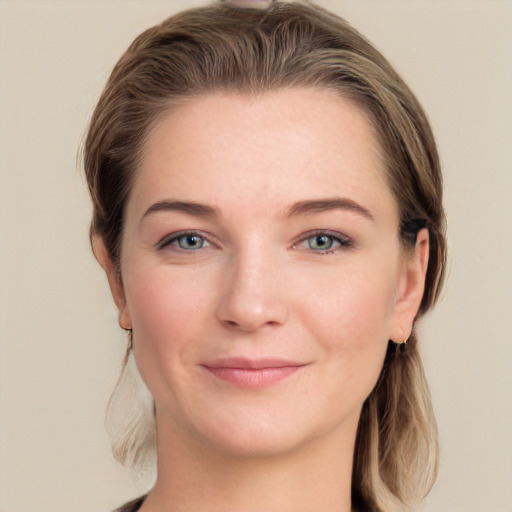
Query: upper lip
x=251 y=364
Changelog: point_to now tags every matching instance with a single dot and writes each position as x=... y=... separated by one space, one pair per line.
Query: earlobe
x=114 y=280
x=410 y=289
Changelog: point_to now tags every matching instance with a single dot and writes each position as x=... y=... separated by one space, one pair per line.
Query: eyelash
x=342 y=241
x=175 y=237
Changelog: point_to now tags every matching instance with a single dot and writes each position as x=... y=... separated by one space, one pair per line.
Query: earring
x=402 y=345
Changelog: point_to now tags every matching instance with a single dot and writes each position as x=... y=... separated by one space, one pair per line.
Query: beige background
x=61 y=346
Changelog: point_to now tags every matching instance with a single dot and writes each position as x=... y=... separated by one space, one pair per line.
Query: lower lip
x=253 y=378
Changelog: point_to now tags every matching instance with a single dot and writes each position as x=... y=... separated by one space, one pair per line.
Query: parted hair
x=251 y=51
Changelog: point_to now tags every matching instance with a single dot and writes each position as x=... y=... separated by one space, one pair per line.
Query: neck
x=315 y=476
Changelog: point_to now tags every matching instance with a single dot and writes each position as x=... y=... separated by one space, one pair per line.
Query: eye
x=321 y=242
x=191 y=241
x=325 y=242
x=185 y=241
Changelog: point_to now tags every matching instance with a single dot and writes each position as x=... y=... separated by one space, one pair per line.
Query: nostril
x=248 y=325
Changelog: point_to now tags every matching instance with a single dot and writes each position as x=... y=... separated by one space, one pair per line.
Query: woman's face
x=262 y=272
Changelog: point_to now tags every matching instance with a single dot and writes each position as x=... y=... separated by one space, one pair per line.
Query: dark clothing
x=131 y=506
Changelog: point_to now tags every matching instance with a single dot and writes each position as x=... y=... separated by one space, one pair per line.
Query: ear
x=411 y=284
x=114 y=280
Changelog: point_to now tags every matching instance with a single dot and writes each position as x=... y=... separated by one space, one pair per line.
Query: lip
x=252 y=373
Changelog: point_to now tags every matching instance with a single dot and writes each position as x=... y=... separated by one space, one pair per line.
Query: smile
x=252 y=373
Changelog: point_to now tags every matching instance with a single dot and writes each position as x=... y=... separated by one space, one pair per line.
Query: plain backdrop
x=60 y=344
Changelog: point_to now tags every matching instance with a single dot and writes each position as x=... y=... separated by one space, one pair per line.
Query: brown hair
x=293 y=44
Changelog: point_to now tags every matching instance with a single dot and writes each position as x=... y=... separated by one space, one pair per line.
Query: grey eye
x=190 y=242
x=320 y=242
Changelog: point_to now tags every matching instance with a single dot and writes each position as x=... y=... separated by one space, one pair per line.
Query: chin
x=256 y=443
x=273 y=432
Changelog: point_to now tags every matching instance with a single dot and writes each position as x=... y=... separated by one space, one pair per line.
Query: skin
x=323 y=286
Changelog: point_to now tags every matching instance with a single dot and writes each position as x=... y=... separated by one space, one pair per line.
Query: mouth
x=252 y=373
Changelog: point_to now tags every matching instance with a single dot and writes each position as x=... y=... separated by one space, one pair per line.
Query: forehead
x=264 y=148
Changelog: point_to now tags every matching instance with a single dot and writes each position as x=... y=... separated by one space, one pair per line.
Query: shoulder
x=131 y=506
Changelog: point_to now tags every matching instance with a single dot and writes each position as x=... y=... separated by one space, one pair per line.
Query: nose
x=252 y=295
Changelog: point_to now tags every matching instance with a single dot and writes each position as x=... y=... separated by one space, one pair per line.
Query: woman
x=268 y=210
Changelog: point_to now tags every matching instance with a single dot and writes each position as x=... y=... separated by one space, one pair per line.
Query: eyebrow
x=300 y=208
x=323 y=205
x=189 y=208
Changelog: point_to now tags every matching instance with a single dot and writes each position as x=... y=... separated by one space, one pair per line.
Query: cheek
x=353 y=304
x=167 y=315
x=161 y=296
x=350 y=320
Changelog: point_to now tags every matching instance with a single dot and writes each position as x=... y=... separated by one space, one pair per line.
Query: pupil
x=321 y=242
x=192 y=240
